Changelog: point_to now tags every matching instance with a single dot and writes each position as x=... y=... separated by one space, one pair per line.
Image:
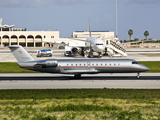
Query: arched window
x=30 y=36
x=38 y=36
x=22 y=36
x=13 y=36
x=5 y=36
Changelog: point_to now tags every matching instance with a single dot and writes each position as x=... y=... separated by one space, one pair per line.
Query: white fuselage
x=97 y=44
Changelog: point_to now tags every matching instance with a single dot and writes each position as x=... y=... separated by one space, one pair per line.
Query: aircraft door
x=88 y=64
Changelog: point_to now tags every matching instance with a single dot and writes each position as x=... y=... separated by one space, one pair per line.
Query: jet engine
x=46 y=64
x=74 y=50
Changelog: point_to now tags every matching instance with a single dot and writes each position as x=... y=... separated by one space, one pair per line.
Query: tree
x=146 y=33
x=130 y=32
x=136 y=39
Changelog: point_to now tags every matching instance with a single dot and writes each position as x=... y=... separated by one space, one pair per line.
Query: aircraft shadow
x=61 y=78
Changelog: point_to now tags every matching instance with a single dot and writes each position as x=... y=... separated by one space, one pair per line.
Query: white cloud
x=39 y=3
x=35 y=3
x=141 y=1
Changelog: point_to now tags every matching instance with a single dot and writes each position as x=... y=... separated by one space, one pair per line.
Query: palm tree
x=130 y=32
x=136 y=39
x=146 y=33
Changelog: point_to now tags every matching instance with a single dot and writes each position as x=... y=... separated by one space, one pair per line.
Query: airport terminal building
x=20 y=36
x=97 y=34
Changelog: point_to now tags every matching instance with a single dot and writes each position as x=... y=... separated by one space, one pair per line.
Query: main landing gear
x=138 y=75
x=77 y=76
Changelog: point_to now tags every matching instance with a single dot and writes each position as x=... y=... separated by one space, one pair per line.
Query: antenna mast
x=116 y=22
x=89 y=28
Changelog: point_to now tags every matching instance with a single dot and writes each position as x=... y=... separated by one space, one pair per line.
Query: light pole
x=116 y=22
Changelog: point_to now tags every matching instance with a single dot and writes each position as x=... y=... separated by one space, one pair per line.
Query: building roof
x=7 y=26
x=94 y=31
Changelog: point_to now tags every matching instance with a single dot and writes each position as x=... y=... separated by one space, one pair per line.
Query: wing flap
x=85 y=71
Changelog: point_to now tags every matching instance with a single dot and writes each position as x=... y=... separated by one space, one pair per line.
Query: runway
x=60 y=81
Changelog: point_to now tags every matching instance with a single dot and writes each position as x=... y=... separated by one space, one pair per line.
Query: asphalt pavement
x=60 y=81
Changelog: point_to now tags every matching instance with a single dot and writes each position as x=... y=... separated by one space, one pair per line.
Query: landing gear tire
x=77 y=76
x=90 y=56
x=50 y=55
x=137 y=75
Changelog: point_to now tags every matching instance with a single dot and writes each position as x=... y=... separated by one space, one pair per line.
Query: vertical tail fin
x=20 y=53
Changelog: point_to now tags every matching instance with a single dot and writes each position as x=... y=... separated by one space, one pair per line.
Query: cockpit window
x=135 y=63
x=99 y=44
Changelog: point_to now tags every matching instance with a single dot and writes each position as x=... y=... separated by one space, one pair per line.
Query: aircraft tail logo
x=21 y=54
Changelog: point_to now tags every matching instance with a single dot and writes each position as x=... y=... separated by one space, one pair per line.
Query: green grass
x=153 y=65
x=80 y=93
x=7 y=67
x=80 y=104
x=12 y=67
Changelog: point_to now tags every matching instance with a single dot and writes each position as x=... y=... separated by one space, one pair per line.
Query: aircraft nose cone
x=146 y=68
x=100 y=48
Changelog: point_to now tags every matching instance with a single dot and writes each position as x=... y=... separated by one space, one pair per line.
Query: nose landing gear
x=138 y=75
x=77 y=76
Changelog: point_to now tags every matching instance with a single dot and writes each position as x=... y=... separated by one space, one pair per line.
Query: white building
x=19 y=36
x=27 y=38
x=98 y=34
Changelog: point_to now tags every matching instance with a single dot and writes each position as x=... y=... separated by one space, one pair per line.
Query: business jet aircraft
x=76 y=66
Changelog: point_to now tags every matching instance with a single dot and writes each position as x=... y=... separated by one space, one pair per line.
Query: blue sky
x=68 y=16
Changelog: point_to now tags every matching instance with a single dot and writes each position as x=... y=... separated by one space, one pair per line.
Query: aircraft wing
x=77 y=39
x=85 y=71
x=62 y=43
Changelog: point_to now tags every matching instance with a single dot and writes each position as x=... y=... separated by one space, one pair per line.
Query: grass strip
x=36 y=94
x=80 y=104
x=153 y=65
x=12 y=67
x=81 y=107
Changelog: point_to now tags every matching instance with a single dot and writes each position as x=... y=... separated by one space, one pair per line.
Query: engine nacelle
x=45 y=64
x=74 y=50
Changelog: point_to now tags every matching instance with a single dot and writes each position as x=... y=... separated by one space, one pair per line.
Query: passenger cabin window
x=71 y=64
x=79 y=64
x=135 y=63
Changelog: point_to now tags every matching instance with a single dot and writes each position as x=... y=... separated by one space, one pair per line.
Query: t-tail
x=21 y=54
